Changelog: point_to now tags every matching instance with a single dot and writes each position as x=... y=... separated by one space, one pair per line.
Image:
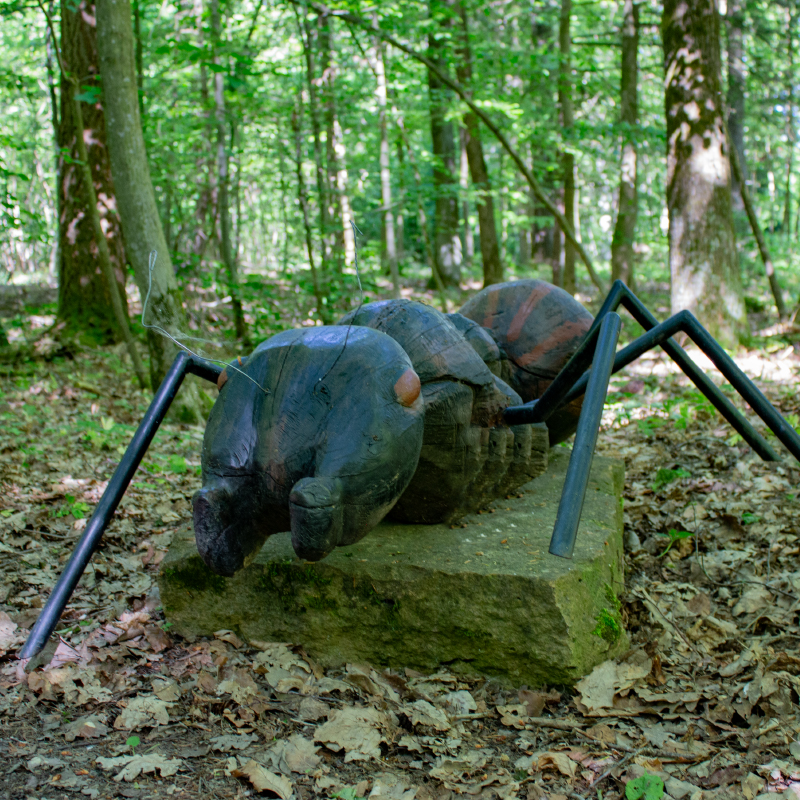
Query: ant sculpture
x=403 y=410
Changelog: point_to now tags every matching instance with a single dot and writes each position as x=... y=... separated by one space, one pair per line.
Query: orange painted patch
x=407 y=387
x=491 y=307
x=564 y=333
x=524 y=311
x=223 y=377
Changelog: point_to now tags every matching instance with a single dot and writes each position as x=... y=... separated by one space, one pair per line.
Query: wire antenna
x=168 y=335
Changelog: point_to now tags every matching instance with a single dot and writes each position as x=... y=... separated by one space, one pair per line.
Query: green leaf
x=674 y=536
x=177 y=464
x=89 y=94
x=665 y=476
x=107 y=423
x=646 y=787
x=647 y=426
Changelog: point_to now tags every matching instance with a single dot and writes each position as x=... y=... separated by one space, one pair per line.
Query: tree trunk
x=401 y=200
x=389 y=250
x=468 y=240
x=625 y=228
x=51 y=88
x=704 y=268
x=308 y=35
x=490 y=253
x=736 y=88
x=136 y=200
x=85 y=302
x=447 y=244
x=137 y=33
x=791 y=134
x=223 y=179
x=338 y=227
x=422 y=219
x=297 y=116
x=567 y=121
x=752 y=217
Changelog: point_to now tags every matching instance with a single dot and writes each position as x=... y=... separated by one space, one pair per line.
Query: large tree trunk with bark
x=567 y=121
x=704 y=268
x=136 y=200
x=447 y=244
x=484 y=204
x=622 y=241
x=84 y=299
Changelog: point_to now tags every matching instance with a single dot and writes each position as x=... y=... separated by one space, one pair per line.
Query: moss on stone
x=485 y=599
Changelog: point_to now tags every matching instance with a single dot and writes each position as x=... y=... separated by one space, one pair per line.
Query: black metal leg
x=620 y=294
x=687 y=323
x=562 y=542
x=93 y=532
x=541 y=409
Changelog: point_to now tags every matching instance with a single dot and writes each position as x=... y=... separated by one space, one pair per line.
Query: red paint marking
x=562 y=334
x=491 y=308
x=524 y=311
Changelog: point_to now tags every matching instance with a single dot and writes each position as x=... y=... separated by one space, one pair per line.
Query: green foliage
x=674 y=536
x=133 y=742
x=646 y=787
x=348 y=793
x=667 y=476
x=177 y=464
x=649 y=425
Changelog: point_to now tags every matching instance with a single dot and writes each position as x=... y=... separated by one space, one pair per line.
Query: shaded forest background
x=271 y=127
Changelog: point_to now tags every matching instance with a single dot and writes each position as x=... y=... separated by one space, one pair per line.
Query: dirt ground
x=704 y=705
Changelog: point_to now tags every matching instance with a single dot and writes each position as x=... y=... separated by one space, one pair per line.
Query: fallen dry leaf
x=263 y=780
x=133 y=766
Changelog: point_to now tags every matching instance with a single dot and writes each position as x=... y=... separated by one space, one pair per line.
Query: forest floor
x=704 y=705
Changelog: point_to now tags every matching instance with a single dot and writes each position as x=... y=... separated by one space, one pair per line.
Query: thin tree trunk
x=136 y=200
x=51 y=87
x=736 y=88
x=443 y=79
x=223 y=200
x=297 y=115
x=284 y=208
x=422 y=219
x=389 y=252
x=484 y=204
x=207 y=196
x=704 y=268
x=137 y=33
x=625 y=228
x=752 y=217
x=791 y=134
x=567 y=122
x=328 y=67
x=400 y=205
x=468 y=243
x=308 y=37
x=447 y=244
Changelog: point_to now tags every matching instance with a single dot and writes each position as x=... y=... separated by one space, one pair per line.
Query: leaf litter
x=704 y=705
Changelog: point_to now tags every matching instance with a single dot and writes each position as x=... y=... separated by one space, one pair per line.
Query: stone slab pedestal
x=484 y=598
